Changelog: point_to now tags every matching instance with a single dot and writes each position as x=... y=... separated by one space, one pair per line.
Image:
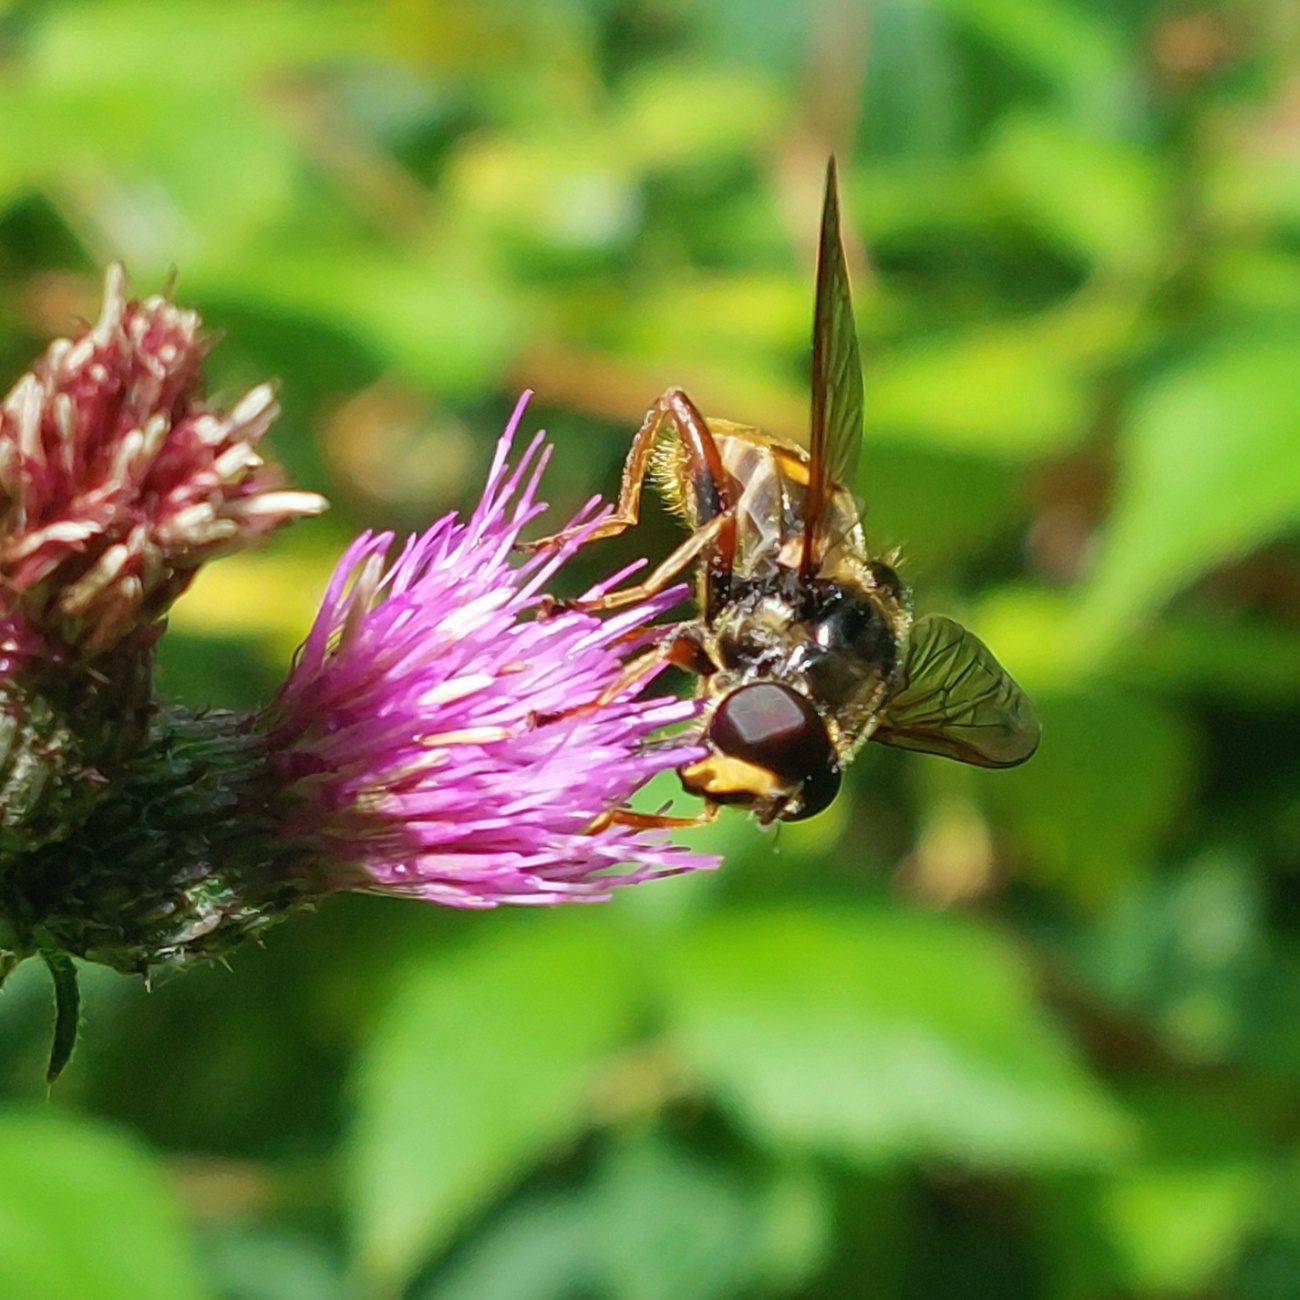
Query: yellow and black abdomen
x=765 y=480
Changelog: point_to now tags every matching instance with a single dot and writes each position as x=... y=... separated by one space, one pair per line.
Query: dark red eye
x=778 y=729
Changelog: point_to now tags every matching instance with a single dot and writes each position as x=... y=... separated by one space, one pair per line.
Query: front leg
x=678 y=645
x=653 y=821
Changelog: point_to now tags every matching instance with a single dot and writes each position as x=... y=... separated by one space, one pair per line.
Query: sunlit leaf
x=1176 y=1228
x=482 y=1064
x=1178 y=1216
x=1210 y=469
x=1003 y=392
x=1209 y=652
x=675 y=114
x=1071 y=45
x=554 y=191
x=1097 y=196
x=1253 y=182
x=1110 y=776
x=877 y=1035
x=203 y=42
x=272 y=600
x=655 y=1223
x=442 y=320
x=1262 y=282
x=86 y=1213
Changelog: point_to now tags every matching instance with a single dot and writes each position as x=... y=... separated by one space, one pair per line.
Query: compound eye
x=777 y=729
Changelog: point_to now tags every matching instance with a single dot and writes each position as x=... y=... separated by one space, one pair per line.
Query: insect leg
x=701 y=540
x=678 y=648
x=708 y=479
x=652 y=821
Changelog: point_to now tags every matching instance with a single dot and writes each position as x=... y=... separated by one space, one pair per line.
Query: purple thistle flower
x=433 y=739
x=443 y=733
x=117 y=480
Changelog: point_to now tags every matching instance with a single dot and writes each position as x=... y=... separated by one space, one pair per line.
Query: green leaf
x=997 y=390
x=537 y=1251
x=1175 y=1228
x=878 y=1034
x=85 y=1213
x=250 y=1262
x=674 y=115
x=1205 y=652
x=654 y=1223
x=1210 y=470
x=203 y=43
x=912 y=105
x=1185 y=951
x=564 y=190
x=1253 y=188
x=1112 y=773
x=666 y=1225
x=67 y=1011
x=482 y=1065
x=441 y=319
x=1097 y=196
x=939 y=507
x=1201 y=1188
x=1070 y=45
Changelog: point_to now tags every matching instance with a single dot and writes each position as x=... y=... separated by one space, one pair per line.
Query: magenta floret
x=445 y=742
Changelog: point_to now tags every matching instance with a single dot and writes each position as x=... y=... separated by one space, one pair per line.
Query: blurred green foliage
x=1024 y=1034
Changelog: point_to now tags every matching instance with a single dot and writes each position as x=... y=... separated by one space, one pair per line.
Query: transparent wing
x=836 y=435
x=958 y=701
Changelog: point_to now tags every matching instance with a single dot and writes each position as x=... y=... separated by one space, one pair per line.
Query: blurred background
x=969 y=1034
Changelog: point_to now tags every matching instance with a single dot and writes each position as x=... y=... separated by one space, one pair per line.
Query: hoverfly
x=804 y=645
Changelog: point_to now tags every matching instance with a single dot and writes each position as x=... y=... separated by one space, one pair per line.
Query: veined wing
x=958 y=701
x=836 y=434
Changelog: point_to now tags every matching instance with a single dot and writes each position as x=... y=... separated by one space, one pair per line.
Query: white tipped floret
x=208 y=430
x=88 y=515
x=56 y=356
x=81 y=594
x=156 y=429
x=257 y=403
x=65 y=420
x=110 y=315
x=287 y=503
x=126 y=454
x=28 y=399
x=192 y=519
x=234 y=463
x=65 y=532
x=79 y=354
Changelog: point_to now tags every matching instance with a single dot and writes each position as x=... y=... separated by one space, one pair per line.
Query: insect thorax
x=837 y=643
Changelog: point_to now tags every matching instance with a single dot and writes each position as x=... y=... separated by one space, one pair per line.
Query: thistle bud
x=118 y=480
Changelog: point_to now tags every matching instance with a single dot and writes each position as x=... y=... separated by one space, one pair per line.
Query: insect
x=804 y=644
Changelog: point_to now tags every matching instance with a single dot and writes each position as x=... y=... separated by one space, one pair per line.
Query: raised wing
x=958 y=701
x=836 y=434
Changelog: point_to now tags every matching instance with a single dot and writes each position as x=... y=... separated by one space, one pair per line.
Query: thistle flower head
x=117 y=480
x=438 y=739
